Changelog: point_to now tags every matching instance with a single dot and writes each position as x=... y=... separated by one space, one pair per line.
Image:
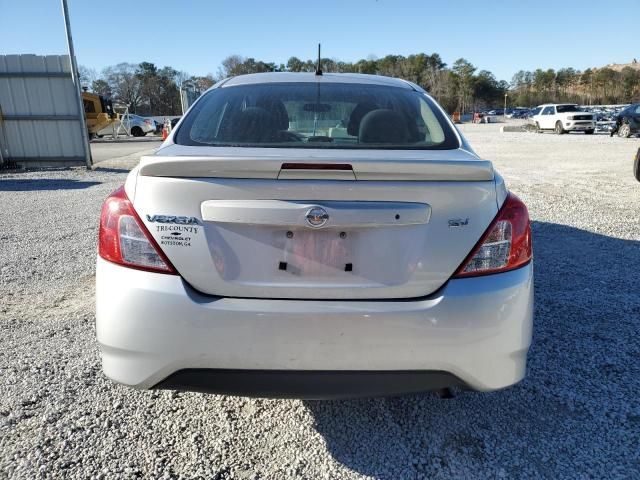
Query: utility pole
x=182 y=97
x=76 y=83
x=504 y=112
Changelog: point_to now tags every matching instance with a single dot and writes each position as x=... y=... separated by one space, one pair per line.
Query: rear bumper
x=475 y=331
x=307 y=384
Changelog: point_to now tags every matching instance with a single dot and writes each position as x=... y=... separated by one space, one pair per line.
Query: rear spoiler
x=334 y=169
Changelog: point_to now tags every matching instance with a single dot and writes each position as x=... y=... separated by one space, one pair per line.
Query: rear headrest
x=277 y=109
x=253 y=125
x=353 y=127
x=383 y=126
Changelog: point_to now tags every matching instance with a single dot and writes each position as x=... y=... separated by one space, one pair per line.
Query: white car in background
x=563 y=118
x=314 y=236
x=135 y=125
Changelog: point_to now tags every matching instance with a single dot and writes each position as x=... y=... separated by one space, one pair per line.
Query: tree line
x=149 y=90
x=144 y=88
x=459 y=87
x=589 y=87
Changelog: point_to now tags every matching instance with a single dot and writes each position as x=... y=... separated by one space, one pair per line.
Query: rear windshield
x=568 y=108
x=314 y=115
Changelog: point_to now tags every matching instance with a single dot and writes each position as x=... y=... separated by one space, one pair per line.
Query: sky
x=195 y=36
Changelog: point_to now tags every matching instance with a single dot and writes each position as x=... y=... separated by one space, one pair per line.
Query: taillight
x=504 y=246
x=123 y=238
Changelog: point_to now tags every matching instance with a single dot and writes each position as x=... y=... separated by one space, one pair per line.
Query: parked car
x=521 y=113
x=532 y=113
x=563 y=118
x=314 y=236
x=135 y=125
x=627 y=121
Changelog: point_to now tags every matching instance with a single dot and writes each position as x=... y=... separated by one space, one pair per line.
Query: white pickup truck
x=563 y=118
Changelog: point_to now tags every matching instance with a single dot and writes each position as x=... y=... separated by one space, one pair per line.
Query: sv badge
x=458 y=222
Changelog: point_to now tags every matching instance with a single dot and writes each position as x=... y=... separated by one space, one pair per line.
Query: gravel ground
x=576 y=415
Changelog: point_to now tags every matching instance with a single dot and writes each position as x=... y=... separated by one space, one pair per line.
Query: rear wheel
x=137 y=132
x=624 y=131
x=559 y=130
x=588 y=132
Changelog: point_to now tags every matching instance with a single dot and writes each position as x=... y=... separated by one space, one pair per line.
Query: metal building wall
x=39 y=118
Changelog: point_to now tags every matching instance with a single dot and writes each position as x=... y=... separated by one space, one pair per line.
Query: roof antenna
x=318 y=66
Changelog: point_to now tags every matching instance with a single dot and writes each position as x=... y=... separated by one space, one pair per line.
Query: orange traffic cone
x=165 y=132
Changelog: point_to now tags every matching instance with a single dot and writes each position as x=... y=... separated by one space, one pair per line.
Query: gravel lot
x=576 y=415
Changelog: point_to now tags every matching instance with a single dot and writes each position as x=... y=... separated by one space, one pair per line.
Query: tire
x=636 y=166
x=624 y=131
x=559 y=130
x=137 y=132
x=588 y=132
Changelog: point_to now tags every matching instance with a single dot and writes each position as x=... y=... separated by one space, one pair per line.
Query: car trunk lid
x=236 y=226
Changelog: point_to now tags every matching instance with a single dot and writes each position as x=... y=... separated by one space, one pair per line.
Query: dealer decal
x=176 y=235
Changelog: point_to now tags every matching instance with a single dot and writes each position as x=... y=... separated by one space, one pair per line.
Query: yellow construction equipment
x=98 y=111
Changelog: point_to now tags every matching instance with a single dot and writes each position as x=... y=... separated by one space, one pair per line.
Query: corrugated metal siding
x=32 y=85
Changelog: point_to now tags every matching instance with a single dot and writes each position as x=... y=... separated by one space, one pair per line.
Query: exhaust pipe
x=445 y=393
